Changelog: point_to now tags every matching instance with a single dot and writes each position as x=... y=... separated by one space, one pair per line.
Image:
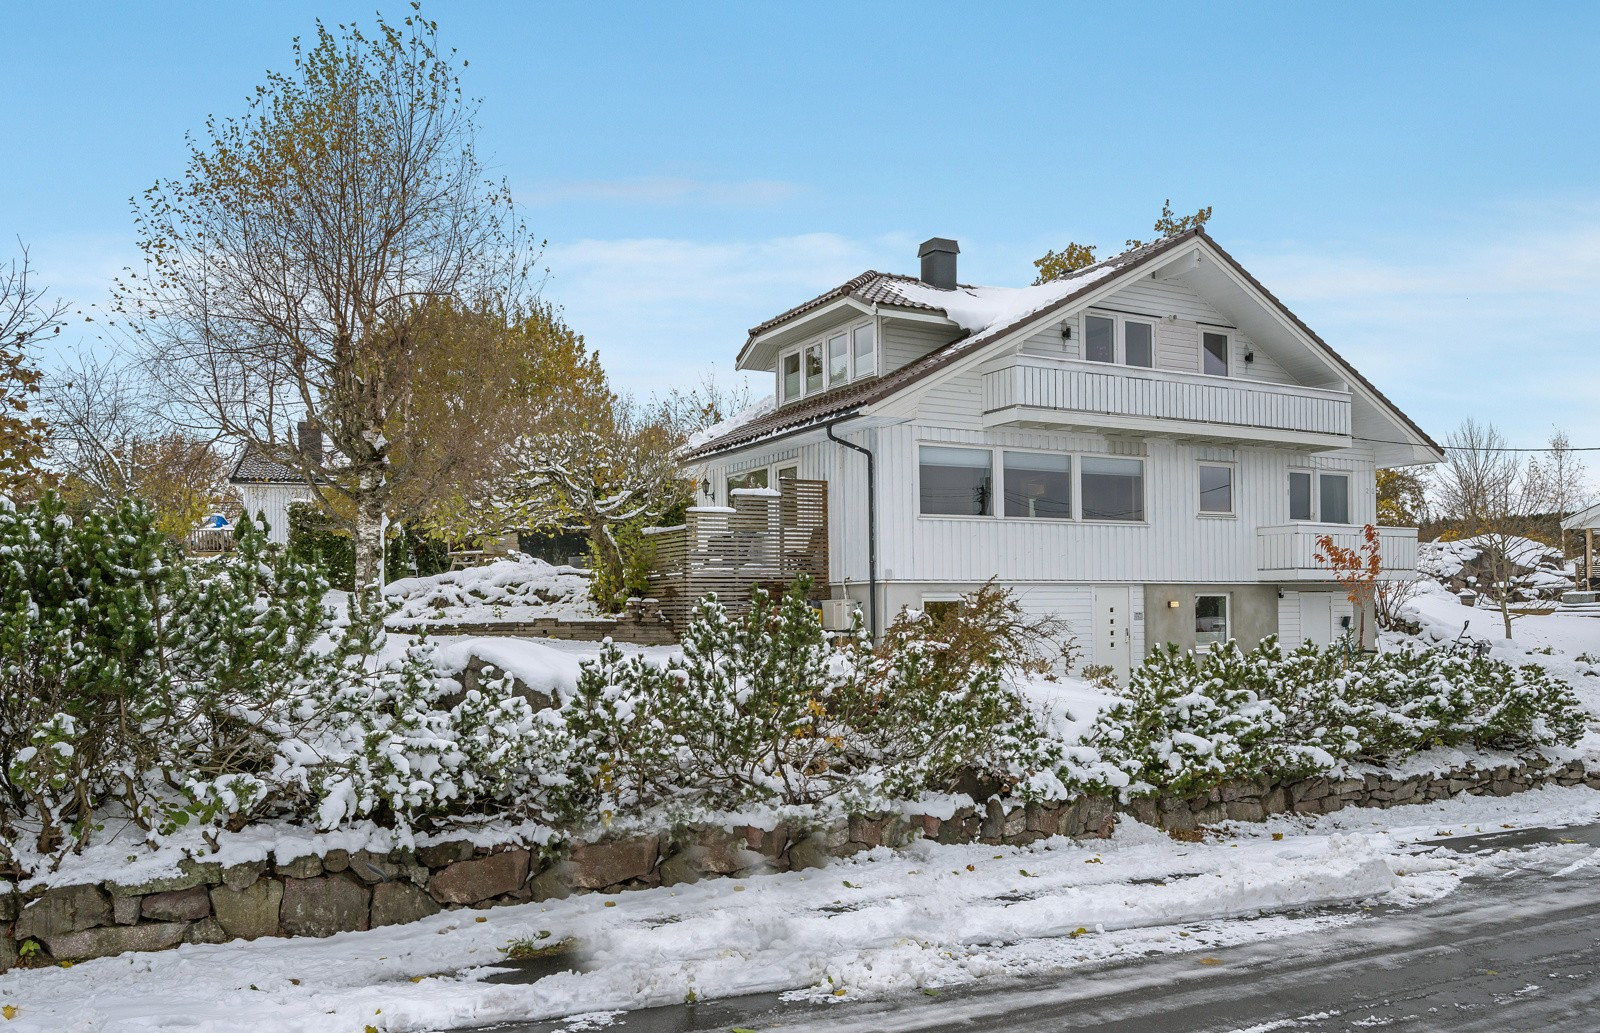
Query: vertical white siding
x=271 y=502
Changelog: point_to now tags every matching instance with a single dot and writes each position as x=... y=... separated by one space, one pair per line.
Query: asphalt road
x=1519 y=951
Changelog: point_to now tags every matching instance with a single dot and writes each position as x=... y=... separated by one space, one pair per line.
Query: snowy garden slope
x=518 y=589
x=881 y=922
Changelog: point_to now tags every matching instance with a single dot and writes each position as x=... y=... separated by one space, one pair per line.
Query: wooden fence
x=766 y=537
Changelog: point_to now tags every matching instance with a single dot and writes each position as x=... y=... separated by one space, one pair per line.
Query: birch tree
x=296 y=268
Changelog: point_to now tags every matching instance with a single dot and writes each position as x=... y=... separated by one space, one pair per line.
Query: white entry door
x=1316 y=618
x=1113 y=618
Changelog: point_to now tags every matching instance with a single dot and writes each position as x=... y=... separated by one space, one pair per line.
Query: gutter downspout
x=872 y=521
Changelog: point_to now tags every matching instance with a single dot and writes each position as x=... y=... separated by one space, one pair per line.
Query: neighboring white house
x=1148 y=448
x=266 y=487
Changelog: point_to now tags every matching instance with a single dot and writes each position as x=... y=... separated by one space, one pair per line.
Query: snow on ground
x=516 y=589
x=881 y=922
x=1566 y=642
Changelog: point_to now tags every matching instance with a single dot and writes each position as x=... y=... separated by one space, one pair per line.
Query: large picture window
x=956 y=481
x=1113 y=489
x=1038 y=484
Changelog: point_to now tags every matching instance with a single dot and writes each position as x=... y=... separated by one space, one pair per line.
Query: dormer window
x=1119 y=339
x=830 y=361
x=791 y=376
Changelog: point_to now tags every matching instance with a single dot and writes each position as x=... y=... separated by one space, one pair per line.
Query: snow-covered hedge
x=763 y=709
x=1190 y=721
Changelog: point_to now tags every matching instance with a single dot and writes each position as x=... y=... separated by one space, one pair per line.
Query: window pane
x=788 y=473
x=1214 y=355
x=1099 y=339
x=1216 y=489
x=1210 y=619
x=1335 y=498
x=956 y=481
x=1038 y=485
x=791 y=376
x=838 y=359
x=748 y=479
x=1138 y=343
x=1299 y=496
x=866 y=359
x=1113 y=489
x=813 y=356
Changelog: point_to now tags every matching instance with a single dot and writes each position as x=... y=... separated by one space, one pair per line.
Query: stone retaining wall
x=340 y=891
x=1260 y=799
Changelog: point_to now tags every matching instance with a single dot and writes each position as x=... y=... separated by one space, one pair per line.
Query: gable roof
x=870 y=288
x=984 y=314
x=255 y=468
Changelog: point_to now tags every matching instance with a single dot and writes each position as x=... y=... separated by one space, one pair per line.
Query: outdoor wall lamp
x=1066 y=331
x=1172 y=604
x=705 y=487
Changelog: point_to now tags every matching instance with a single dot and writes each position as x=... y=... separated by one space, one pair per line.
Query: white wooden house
x=268 y=487
x=1148 y=448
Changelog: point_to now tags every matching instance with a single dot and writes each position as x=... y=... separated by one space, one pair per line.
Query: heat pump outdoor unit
x=837 y=614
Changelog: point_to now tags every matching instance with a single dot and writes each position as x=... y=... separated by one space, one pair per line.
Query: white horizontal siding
x=904 y=342
x=1178 y=341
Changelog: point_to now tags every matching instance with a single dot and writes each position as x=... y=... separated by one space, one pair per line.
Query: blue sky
x=1417 y=181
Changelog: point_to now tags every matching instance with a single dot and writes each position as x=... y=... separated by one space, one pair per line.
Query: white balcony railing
x=1032 y=389
x=1288 y=552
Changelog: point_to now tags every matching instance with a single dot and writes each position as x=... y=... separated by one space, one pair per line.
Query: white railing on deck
x=1291 y=549
x=1069 y=385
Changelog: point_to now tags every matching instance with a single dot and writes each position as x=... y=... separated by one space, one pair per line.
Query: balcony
x=767 y=538
x=1288 y=552
x=1034 y=391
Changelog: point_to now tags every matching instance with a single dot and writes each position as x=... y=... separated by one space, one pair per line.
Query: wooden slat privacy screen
x=765 y=538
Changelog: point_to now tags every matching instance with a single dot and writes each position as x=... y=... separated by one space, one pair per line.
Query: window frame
x=1227 y=615
x=1343 y=475
x=1233 y=489
x=1316 y=476
x=1119 y=337
x=995 y=487
x=998 y=486
x=857 y=365
x=1227 y=351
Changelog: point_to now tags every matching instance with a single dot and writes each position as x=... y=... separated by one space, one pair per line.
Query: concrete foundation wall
x=1252 y=613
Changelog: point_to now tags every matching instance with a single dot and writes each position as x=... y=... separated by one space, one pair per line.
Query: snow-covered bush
x=134 y=682
x=762 y=708
x=1190 y=721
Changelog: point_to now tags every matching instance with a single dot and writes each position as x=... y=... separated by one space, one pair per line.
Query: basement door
x=1316 y=618
x=1113 y=619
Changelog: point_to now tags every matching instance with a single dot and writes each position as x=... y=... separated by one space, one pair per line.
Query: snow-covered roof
x=984 y=315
